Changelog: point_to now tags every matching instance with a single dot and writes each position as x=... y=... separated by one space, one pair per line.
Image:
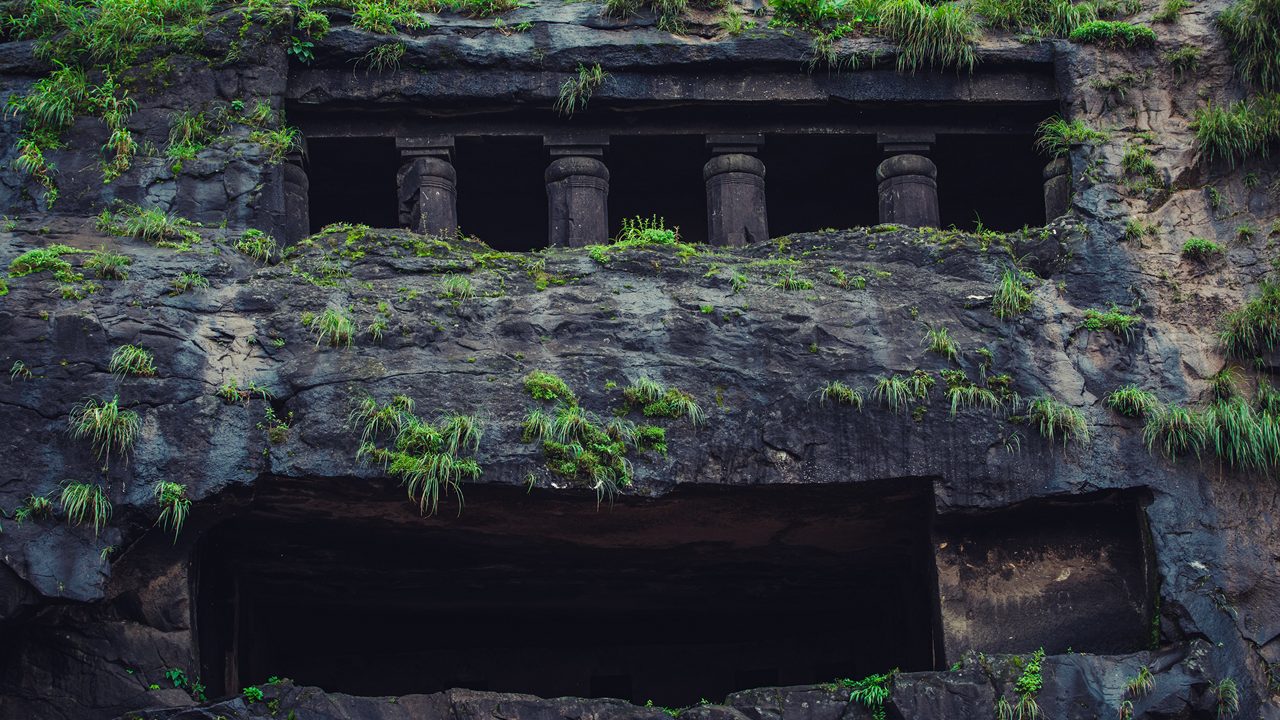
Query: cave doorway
x=352 y=180
x=698 y=594
x=502 y=196
x=815 y=182
x=659 y=175
x=993 y=180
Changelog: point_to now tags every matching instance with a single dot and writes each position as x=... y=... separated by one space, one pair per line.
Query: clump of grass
x=46 y=258
x=669 y=12
x=939 y=341
x=1038 y=18
x=34 y=506
x=1113 y=34
x=576 y=92
x=231 y=392
x=257 y=245
x=150 y=224
x=1225 y=383
x=1132 y=401
x=841 y=394
x=427 y=457
x=930 y=36
x=1238 y=131
x=188 y=281
x=1170 y=11
x=1141 y=684
x=333 y=327
x=1053 y=418
x=1198 y=248
x=963 y=394
x=1240 y=435
x=132 y=360
x=18 y=370
x=174 y=506
x=1252 y=31
x=107 y=426
x=899 y=392
x=108 y=265
x=545 y=386
x=1056 y=136
x=1011 y=297
x=789 y=281
x=641 y=232
x=1112 y=321
x=456 y=287
x=1227 y=694
x=654 y=399
x=1177 y=430
x=1184 y=61
x=1254 y=328
x=85 y=502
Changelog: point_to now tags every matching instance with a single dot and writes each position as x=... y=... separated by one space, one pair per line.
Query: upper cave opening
x=698 y=594
x=352 y=180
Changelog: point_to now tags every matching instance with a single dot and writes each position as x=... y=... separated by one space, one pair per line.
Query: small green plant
x=150 y=224
x=1141 y=684
x=257 y=245
x=85 y=502
x=383 y=57
x=333 y=327
x=1132 y=401
x=1112 y=321
x=1011 y=296
x=188 y=281
x=1184 y=61
x=791 y=282
x=930 y=36
x=301 y=50
x=962 y=393
x=1137 y=161
x=1252 y=31
x=545 y=386
x=19 y=370
x=456 y=287
x=1056 y=136
x=653 y=399
x=899 y=392
x=1177 y=430
x=45 y=258
x=174 y=506
x=1225 y=383
x=1053 y=419
x=641 y=232
x=1114 y=34
x=231 y=392
x=253 y=694
x=1170 y=11
x=277 y=428
x=872 y=692
x=1254 y=328
x=939 y=341
x=427 y=457
x=34 y=506
x=1228 y=698
x=576 y=92
x=108 y=265
x=1238 y=131
x=132 y=360
x=107 y=426
x=839 y=393
x=1198 y=248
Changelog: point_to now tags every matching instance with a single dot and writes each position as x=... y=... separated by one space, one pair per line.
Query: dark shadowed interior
x=353 y=180
x=691 y=596
x=502 y=198
x=820 y=181
x=659 y=175
x=993 y=179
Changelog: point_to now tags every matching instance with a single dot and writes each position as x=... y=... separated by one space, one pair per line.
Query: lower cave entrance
x=698 y=594
x=352 y=180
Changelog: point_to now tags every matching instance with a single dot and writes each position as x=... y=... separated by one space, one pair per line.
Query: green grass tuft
x=333 y=327
x=656 y=400
x=930 y=36
x=545 y=386
x=1053 y=419
x=1176 y=430
x=1114 y=34
x=108 y=265
x=1252 y=31
x=576 y=92
x=641 y=232
x=188 y=281
x=107 y=427
x=257 y=245
x=899 y=392
x=841 y=394
x=939 y=341
x=83 y=502
x=1011 y=297
x=1132 y=401
x=1198 y=248
x=1239 y=131
x=132 y=360
x=456 y=287
x=174 y=506
x=1056 y=136
x=1254 y=328
x=1112 y=321
x=152 y=225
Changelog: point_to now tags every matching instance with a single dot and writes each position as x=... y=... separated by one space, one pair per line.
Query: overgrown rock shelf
x=798 y=360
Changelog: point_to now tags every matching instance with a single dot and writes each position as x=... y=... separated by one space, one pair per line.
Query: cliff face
x=963 y=497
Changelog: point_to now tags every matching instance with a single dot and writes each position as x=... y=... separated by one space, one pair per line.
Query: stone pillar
x=297 y=190
x=736 y=213
x=1057 y=189
x=908 y=181
x=577 y=194
x=428 y=186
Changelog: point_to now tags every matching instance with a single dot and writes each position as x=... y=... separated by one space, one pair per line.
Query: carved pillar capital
x=577 y=191
x=908 y=180
x=428 y=185
x=736 y=213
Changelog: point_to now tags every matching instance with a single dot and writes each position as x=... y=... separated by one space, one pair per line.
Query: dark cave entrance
x=659 y=175
x=814 y=182
x=352 y=180
x=696 y=595
x=993 y=179
x=502 y=197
